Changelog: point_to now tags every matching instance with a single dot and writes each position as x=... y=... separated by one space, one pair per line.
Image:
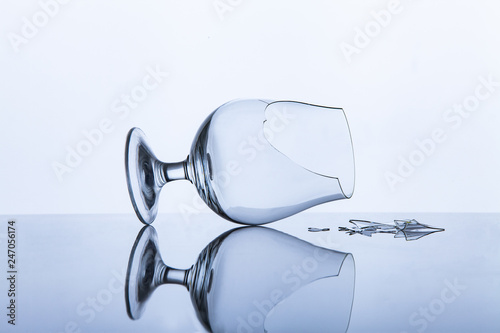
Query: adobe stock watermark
x=31 y=26
x=223 y=7
x=120 y=109
x=453 y=117
x=429 y=313
x=249 y=149
x=88 y=309
x=371 y=30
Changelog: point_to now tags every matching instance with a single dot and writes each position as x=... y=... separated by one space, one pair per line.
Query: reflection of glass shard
x=408 y=229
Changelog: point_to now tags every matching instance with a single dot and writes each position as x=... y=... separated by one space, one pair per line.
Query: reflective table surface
x=70 y=271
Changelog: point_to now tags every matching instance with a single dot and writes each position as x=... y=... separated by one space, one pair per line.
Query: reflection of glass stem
x=147 y=271
x=195 y=279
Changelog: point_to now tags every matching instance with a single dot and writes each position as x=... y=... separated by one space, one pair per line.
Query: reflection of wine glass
x=252 y=161
x=282 y=285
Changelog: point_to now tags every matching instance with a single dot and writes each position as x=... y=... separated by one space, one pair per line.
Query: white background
x=65 y=78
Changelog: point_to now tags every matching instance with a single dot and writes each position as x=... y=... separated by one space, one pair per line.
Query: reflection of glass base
x=140 y=164
x=143 y=263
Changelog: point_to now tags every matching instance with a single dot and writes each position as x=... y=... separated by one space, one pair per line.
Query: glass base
x=141 y=272
x=140 y=164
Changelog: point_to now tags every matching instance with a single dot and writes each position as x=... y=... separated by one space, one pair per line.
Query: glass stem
x=165 y=274
x=171 y=171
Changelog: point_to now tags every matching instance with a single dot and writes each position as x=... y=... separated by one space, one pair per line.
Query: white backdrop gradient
x=69 y=73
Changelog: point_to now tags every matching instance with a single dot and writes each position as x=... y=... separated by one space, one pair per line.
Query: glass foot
x=143 y=187
x=143 y=264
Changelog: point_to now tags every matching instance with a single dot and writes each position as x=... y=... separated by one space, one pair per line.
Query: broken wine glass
x=252 y=161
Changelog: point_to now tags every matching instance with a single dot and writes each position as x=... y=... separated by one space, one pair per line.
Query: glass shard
x=408 y=229
x=312 y=229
